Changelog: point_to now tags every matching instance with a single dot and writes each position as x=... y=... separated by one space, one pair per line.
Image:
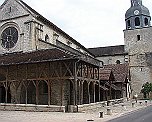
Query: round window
x=9 y=37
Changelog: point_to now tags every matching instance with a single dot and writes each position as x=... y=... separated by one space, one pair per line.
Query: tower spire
x=136 y=2
x=137 y=16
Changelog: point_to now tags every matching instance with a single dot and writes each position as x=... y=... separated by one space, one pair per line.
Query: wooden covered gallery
x=109 y=89
x=49 y=77
x=121 y=79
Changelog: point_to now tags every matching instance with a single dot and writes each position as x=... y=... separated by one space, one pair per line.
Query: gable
x=12 y=9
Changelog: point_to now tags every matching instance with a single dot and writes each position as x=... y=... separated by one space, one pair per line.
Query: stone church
x=137 y=49
x=40 y=64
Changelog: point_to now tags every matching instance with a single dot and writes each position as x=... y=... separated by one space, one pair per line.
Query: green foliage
x=146 y=89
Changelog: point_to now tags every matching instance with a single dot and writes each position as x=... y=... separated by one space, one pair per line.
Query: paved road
x=142 y=115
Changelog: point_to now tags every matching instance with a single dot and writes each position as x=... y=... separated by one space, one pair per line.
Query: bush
x=146 y=89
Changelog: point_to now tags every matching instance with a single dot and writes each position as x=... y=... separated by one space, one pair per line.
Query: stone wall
x=31 y=108
x=137 y=44
x=97 y=105
x=112 y=59
x=32 y=31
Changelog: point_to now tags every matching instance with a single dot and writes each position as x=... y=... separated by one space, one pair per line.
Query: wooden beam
x=87 y=79
x=49 y=78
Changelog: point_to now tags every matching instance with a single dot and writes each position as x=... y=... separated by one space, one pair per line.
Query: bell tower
x=137 y=16
x=138 y=43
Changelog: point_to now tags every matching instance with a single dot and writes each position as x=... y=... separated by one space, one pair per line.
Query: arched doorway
x=71 y=102
x=43 y=92
x=91 y=91
x=3 y=97
x=31 y=93
x=2 y=94
x=85 y=93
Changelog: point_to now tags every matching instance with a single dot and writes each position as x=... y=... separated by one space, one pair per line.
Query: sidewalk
x=90 y=115
x=118 y=110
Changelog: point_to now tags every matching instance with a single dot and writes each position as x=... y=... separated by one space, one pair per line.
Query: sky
x=93 y=23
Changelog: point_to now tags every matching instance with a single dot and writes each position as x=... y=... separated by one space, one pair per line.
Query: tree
x=146 y=89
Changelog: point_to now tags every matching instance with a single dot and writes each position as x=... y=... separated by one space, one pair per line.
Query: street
x=142 y=115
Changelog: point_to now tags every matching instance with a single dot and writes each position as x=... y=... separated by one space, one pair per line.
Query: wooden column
x=37 y=92
x=26 y=86
x=122 y=91
x=110 y=91
x=89 y=93
x=82 y=92
x=49 y=92
x=75 y=83
x=6 y=86
x=94 y=93
x=115 y=94
x=26 y=95
x=6 y=91
x=99 y=92
x=79 y=88
x=61 y=92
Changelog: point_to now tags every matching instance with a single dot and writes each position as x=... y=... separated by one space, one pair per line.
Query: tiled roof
x=120 y=71
x=35 y=56
x=113 y=86
x=104 y=88
x=105 y=74
x=108 y=51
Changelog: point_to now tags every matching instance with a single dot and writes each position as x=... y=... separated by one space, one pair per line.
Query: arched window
x=46 y=38
x=118 y=62
x=128 y=23
x=137 y=21
x=146 y=21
